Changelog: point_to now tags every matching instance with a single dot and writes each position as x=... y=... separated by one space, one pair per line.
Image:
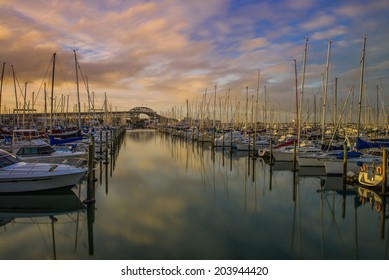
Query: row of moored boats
x=30 y=161
x=364 y=156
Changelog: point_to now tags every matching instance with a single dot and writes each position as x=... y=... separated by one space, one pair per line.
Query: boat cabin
x=34 y=150
x=7 y=159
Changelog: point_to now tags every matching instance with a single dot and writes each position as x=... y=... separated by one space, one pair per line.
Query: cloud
x=171 y=50
x=330 y=33
x=5 y=33
x=253 y=44
x=318 y=22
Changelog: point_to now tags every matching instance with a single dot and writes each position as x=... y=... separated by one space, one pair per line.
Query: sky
x=161 y=54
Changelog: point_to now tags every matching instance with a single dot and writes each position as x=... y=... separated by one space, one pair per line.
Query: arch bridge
x=136 y=111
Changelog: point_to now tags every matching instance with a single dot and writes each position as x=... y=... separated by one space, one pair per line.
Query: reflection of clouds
x=146 y=135
x=158 y=207
x=167 y=206
x=31 y=238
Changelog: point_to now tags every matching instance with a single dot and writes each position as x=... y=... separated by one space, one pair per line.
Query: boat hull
x=335 y=166
x=38 y=177
x=310 y=161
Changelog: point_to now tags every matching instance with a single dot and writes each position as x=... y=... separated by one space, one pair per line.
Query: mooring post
x=249 y=145
x=231 y=142
x=111 y=142
x=213 y=137
x=344 y=161
x=294 y=155
x=384 y=169
x=253 y=154
x=106 y=147
x=90 y=175
x=223 y=139
x=101 y=144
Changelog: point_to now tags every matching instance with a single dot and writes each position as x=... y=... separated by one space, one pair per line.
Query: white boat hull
x=335 y=166
x=27 y=177
x=282 y=155
x=307 y=161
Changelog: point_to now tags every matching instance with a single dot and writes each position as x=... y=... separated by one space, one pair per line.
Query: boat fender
x=379 y=170
x=378 y=206
x=364 y=167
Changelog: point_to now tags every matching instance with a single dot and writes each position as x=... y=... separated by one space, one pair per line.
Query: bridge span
x=132 y=115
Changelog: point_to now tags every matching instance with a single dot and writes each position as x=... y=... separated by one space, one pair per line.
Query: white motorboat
x=20 y=176
x=247 y=144
x=287 y=153
x=229 y=139
x=40 y=151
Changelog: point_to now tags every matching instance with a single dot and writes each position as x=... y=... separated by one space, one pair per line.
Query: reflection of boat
x=367 y=195
x=41 y=208
x=20 y=176
x=38 y=204
x=337 y=184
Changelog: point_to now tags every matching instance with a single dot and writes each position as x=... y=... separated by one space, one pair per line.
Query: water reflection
x=163 y=197
x=49 y=213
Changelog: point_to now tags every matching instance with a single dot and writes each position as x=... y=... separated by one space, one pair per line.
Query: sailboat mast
x=335 y=100
x=265 y=109
x=296 y=85
x=256 y=103
x=16 y=96
x=323 y=118
x=24 y=104
x=361 y=87
x=52 y=95
x=377 y=107
x=247 y=104
x=214 y=109
x=302 y=92
x=45 y=106
x=78 y=91
x=1 y=84
x=314 y=111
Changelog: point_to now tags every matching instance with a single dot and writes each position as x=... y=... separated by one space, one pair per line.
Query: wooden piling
x=106 y=147
x=90 y=175
x=111 y=142
x=384 y=169
x=294 y=155
x=231 y=142
x=223 y=139
x=213 y=138
x=253 y=154
x=344 y=162
x=101 y=144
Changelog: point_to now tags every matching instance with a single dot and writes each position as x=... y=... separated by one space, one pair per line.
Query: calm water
x=165 y=198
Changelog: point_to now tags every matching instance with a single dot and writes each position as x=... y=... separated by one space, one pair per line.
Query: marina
x=200 y=139
x=159 y=196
